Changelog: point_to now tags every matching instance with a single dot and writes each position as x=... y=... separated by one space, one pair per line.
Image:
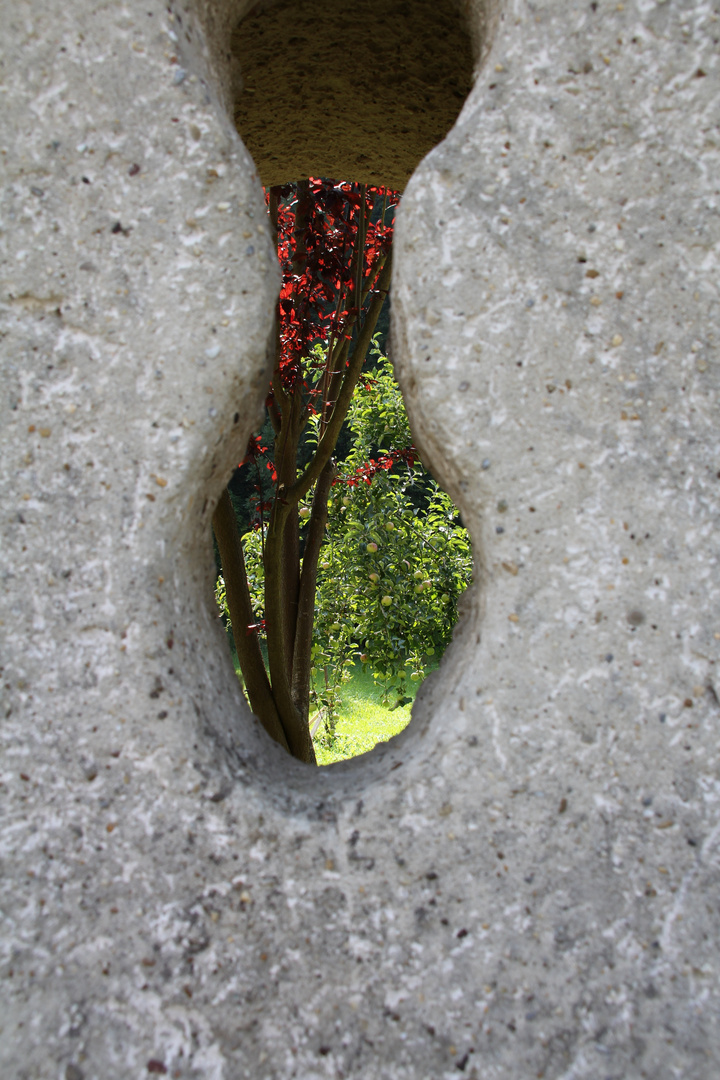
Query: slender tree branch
x=372 y=276
x=273 y=205
x=302 y=214
x=241 y=616
x=280 y=395
x=361 y=231
x=274 y=413
x=338 y=368
x=286 y=450
x=296 y=731
x=336 y=379
x=302 y=655
x=290 y=590
x=281 y=567
x=330 y=436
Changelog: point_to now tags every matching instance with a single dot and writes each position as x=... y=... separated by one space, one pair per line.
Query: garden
x=340 y=559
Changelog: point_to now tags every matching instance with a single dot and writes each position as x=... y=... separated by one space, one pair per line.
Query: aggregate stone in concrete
x=525 y=883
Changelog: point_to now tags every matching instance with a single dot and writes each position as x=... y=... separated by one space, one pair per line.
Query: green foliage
x=221 y=601
x=377 y=413
x=394 y=563
x=396 y=558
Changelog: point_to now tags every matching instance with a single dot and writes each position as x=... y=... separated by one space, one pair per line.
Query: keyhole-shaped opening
x=359 y=92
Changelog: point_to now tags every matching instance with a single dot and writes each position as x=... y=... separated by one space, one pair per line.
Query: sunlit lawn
x=364 y=720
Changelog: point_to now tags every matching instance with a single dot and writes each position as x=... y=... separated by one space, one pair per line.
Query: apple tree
x=393 y=564
x=396 y=559
x=335 y=249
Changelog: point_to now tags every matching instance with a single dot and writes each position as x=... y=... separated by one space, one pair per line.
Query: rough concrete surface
x=523 y=884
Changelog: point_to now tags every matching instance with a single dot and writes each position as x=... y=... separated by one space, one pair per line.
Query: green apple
x=389 y=526
x=374 y=577
x=419 y=588
x=372 y=547
x=418 y=575
x=444 y=598
x=386 y=601
x=304 y=513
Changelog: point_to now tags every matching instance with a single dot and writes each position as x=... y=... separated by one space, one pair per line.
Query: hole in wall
x=360 y=92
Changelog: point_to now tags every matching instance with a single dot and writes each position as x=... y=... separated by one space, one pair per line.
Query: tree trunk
x=247 y=646
x=282 y=701
x=296 y=732
x=302 y=656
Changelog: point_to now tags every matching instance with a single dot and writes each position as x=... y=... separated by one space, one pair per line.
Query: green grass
x=364 y=720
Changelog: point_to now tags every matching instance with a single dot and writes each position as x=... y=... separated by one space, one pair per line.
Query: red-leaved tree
x=334 y=245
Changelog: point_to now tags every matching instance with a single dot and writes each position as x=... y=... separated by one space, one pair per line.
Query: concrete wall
x=525 y=883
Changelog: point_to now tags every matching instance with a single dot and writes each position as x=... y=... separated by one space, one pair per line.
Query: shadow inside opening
x=360 y=91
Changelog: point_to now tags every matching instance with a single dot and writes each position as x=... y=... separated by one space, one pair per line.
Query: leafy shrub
x=395 y=559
